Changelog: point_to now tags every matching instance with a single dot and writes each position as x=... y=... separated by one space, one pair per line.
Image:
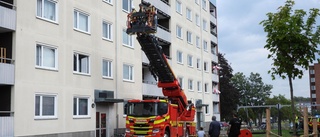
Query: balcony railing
x=6 y=124
x=163 y=33
x=151 y=88
x=7 y=16
x=6 y=71
x=161 y=5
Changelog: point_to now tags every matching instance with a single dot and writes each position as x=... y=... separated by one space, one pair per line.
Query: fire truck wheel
x=166 y=134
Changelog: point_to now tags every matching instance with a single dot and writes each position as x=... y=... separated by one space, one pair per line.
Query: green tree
x=292 y=41
x=286 y=112
x=253 y=92
x=229 y=96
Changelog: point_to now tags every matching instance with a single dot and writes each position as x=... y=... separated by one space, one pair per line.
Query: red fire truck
x=170 y=117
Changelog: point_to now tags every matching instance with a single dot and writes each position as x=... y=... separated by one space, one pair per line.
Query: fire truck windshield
x=147 y=108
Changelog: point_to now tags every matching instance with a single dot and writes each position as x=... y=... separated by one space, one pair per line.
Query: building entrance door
x=101 y=129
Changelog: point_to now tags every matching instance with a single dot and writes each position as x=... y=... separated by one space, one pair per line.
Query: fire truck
x=169 y=117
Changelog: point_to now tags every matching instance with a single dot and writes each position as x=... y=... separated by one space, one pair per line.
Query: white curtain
x=84 y=65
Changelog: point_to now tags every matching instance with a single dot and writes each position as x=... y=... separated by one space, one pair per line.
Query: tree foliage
x=292 y=41
x=253 y=92
x=285 y=112
x=229 y=97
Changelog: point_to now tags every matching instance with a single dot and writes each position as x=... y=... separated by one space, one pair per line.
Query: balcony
x=151 y=89
x=7 y=17
x=6 y=124
x=161 y=5
x=215 y=77
x=214 y=39
x=214 y=57
x=213 y=19
x=6 y=71
x=163 y=33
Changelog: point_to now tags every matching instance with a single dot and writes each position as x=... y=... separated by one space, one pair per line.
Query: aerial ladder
x=170 y=117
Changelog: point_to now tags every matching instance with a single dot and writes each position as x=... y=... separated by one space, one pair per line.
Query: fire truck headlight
x=130 y=120
x=151 y=121
x=127 y=130
x=156 y=130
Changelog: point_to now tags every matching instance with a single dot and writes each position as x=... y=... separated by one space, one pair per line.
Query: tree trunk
x=292 y=108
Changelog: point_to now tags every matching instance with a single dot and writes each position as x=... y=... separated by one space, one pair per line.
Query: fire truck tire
x=166 y=134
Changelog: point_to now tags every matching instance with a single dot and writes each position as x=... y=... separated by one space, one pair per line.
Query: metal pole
x=279 y=120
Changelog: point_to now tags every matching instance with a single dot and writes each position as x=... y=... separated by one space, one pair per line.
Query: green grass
x=285 y=133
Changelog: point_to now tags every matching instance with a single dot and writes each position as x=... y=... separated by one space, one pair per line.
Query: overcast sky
x=241 y=38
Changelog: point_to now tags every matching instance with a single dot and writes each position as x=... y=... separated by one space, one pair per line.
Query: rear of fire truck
x=173 y=116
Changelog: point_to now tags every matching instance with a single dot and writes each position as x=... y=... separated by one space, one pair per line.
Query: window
x=45 y=106
x=204 y=4
x=312 y=79
x=189 y=37
x=206 y=86
x=199 y=86
x=179 y=32
x=107 y=68
x=213 y=50
x=190 y=63
x=206 y=110
x=126 y=5
x=46 y=57
x=180 y=79
x=197 y=20
x=47 y=9
x=81 y=21
x=81 y=63
x=198 y=41
x=205 y=45
x=127 y=72
x=198 y=64
x=190 y=84
x=204 y=25
x=205 y=66
x=178 y=7
x=81 y=107
x=126 y=39
x=189 y=14
x=197 y=2
x=107 y=30
x=313 y=87
x=108 y=1
x=311 y=71
x=179 y=57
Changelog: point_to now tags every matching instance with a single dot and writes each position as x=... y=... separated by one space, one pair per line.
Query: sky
x=242 y=39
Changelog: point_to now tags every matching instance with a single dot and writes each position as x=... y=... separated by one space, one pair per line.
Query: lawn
x=285 y=133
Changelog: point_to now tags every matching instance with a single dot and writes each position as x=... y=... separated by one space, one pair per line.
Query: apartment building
x=67 y=67
x=314 y=75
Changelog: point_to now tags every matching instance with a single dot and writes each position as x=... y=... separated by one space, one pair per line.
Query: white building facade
x=67 y=67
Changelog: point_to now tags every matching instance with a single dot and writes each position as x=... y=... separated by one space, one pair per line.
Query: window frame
x=199 y=64
x=41 y=65
x=130 y=73
x=190 y=60
x=77 y=71
x=206 y=86
x=108 y=29
x=129 y=37
x=108 y=1
x=179 y=7
x=205 y=45
x=189 y=14
x=205 y=66
x=55 y=107
x=190 y=85
x=179 y=57
x=206 y=110
x=42 y=10
x=76 y=20
x=179 y=32
x=204 y=25
x=204 y=5
x=198 y=42
x=128 y=10
x=109 y=66
x=77 y=115
x=199 y=87
x=180 y=79
x=198 y=20
x=189 y=37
